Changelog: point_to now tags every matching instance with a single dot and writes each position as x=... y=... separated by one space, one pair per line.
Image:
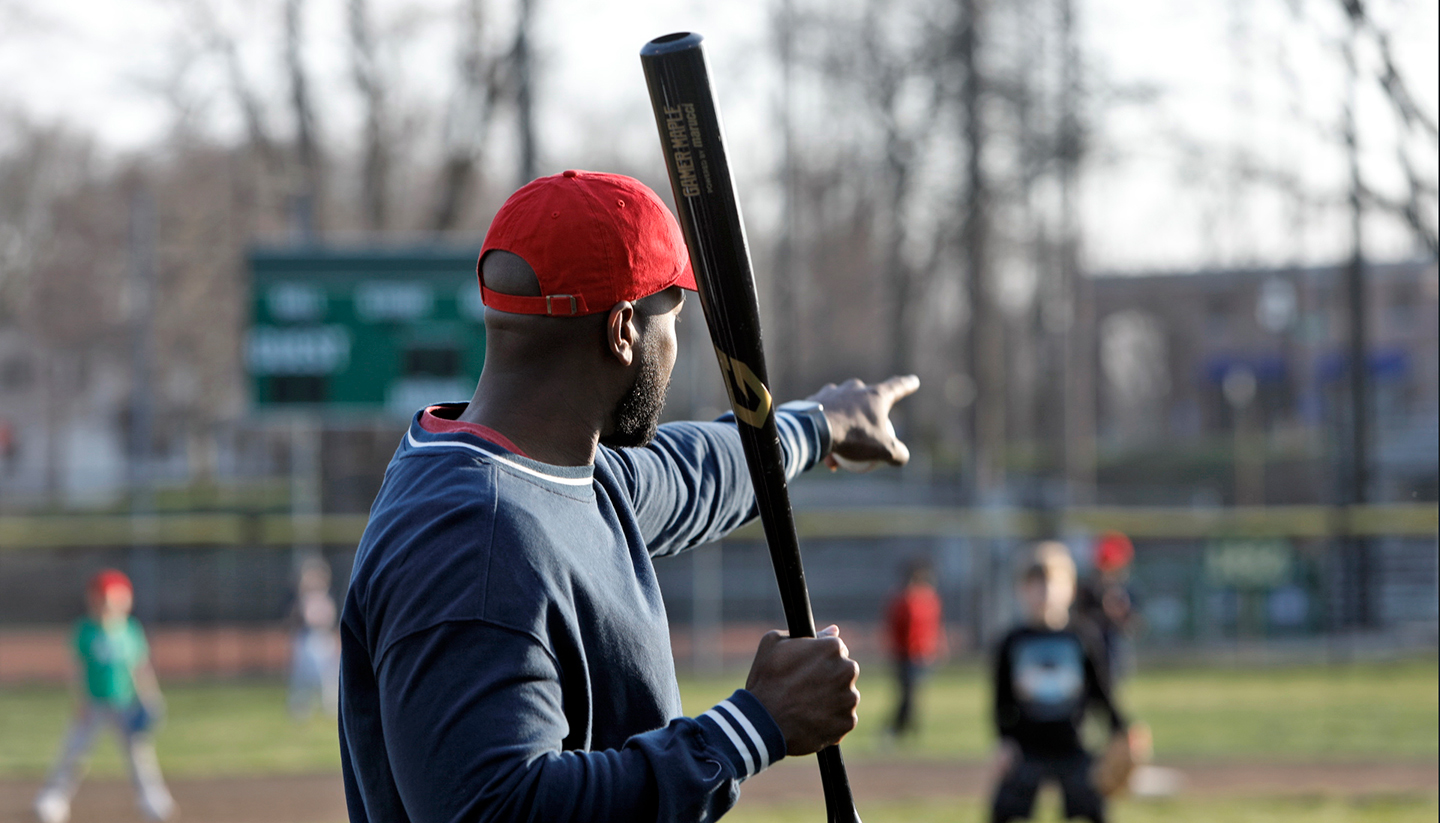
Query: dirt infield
x=320 y=799
x=289 y=799
x=918 y=780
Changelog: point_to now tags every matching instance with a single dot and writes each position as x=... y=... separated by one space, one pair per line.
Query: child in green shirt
x=117 y=688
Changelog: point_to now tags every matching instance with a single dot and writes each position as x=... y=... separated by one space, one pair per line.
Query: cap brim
x=686 y=280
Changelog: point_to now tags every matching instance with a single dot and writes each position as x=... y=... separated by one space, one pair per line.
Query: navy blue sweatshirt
x=505 y=651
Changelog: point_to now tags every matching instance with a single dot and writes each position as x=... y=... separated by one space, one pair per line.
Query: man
x=505 y=653
x=1105 y=601
x=915 y=635
x=1046 y=678
x=117 y=689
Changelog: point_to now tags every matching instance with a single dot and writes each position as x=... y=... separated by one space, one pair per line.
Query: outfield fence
x=216 y=586
x=261 y=530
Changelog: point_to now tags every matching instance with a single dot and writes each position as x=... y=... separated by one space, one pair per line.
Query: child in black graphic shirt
x=1046 y=677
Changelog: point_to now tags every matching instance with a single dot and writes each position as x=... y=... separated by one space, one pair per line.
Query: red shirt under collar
x=433 y=423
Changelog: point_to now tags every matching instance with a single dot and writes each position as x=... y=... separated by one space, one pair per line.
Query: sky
x=115 y=68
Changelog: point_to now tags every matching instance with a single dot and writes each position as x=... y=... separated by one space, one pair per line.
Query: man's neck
x=548 y=421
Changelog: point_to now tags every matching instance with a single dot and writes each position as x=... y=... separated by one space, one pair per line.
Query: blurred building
x=1229 y=386
x=1169 y=344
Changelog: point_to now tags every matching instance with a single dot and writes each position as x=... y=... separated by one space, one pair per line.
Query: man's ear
x=621 y=333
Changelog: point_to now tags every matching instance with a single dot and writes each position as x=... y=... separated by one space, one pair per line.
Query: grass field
x=210 y=729
x=1359 y=712
x=1371 y=713
x=1368 y=809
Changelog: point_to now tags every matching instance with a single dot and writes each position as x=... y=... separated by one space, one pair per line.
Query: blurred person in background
x=117 y=689
x=1105 y=600
x=915 y=636
x=9 y=445
x=1046 y=678
x=315 y=644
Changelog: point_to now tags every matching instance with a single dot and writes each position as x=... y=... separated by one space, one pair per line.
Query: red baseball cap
x=593 y=239
x=1113 y=550
x=107 y=579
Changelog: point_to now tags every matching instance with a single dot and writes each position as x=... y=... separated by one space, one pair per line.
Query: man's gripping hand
x=808 y=686
x=859 y=417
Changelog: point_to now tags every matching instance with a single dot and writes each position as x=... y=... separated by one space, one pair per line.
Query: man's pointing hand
x=859 y=416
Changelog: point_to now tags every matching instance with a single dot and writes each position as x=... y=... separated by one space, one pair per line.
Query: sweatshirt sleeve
x=1007 y=709
x=691 y=484
x=1097 y=686
x=453 y=759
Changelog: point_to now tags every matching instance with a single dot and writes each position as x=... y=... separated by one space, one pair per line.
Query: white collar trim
x=567 y=481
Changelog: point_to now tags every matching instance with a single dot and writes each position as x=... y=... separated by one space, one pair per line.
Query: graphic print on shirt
x=1049 y=676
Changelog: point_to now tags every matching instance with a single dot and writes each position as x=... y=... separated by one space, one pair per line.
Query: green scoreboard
x=364 y=330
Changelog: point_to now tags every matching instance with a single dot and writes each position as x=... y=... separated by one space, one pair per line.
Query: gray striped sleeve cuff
x=741 y=729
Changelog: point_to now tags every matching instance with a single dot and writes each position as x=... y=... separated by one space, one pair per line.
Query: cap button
x=571 y=173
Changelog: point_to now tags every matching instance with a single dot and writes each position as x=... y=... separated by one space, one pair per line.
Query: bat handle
x=839 y=804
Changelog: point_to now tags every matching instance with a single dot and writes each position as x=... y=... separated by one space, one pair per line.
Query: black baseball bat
x=694 y=141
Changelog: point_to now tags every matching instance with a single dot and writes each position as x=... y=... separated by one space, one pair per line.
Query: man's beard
x=637 y=415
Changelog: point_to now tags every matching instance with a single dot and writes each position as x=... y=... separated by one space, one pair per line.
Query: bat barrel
x=693 y=136
x=694 y=139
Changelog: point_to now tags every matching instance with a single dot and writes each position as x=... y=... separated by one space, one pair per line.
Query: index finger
x=897 y=387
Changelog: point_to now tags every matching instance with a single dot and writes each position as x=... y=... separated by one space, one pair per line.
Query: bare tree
x=1079 y=326
x=786 y=363
x=892 y=64
x=985 y=347
x=467 y=119
x=522 y=81
x=375 y=162
x=247 y=98
x=1418 y=208
x=308 y=198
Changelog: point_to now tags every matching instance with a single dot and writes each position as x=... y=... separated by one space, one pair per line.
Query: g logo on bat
x=742 y=383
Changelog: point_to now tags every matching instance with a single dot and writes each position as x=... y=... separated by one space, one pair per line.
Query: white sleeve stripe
x=799 y=458
x=719 y=720
x=750 y=730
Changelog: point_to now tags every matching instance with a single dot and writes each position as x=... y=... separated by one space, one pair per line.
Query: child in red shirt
x=915 y=636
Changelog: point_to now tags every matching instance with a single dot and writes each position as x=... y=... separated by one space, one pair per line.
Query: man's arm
x=147 y=687
x=1006 y=713
x=486 y=742
x=691 y=484
x=897 y=625
x=1006 y=709
x=1097 y=686
x=79 y=688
